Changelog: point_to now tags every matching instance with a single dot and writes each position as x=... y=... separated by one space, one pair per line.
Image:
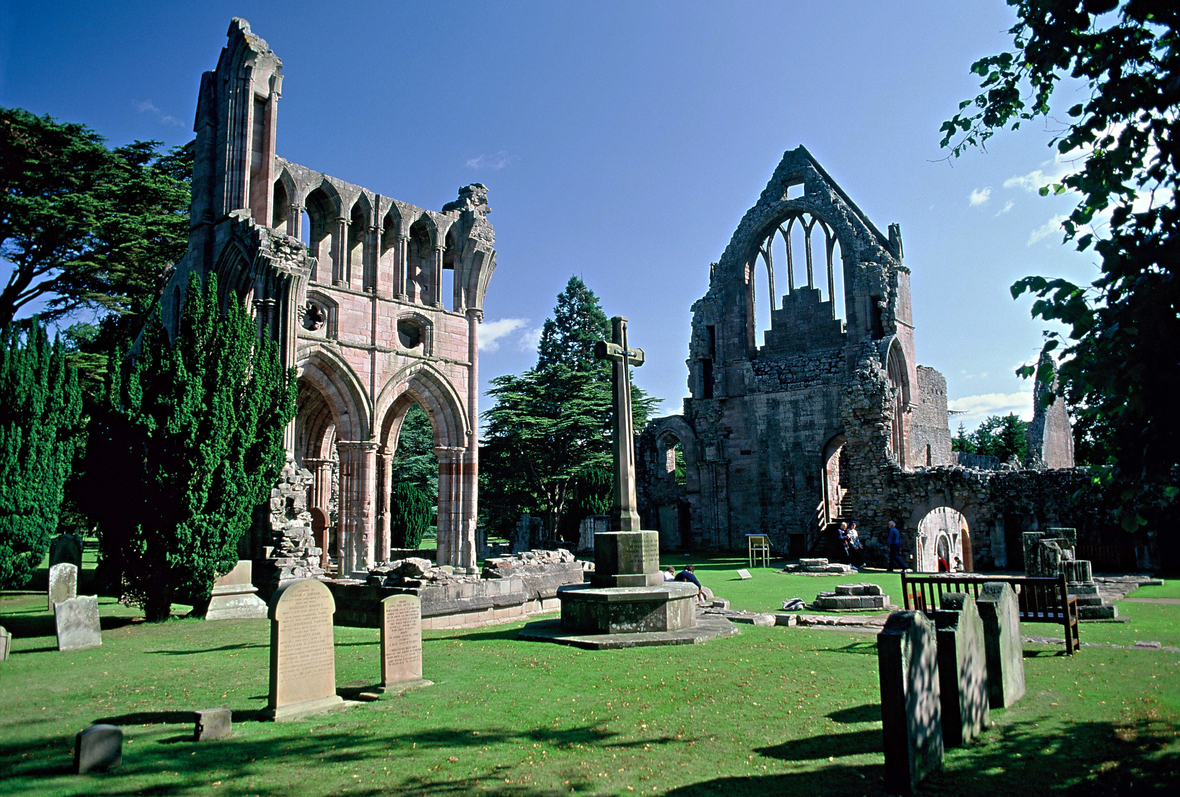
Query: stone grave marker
x=401 y=643
x=234 y=595
x=5 y=643
x=1003 y=650
x=744 y=574
x=98 y=748
x=302 y=652
x=65 y=548
x=911 y=714
x=63 y=583
x=212 y=723
x=77 y=623
x=962 y=669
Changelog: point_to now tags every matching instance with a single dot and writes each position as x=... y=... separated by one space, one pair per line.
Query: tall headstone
x=401 y=643
x=5 y=643
x=962 y=669
x=911 y=713
x=65 y=548
x=235 y=596
x=302 y=651
x=98 y=748
x=63 y=583
x=77 y=623
x=1000 y=615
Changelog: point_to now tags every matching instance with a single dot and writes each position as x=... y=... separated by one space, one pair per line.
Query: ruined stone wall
x=930 y=435
x=1049 y=436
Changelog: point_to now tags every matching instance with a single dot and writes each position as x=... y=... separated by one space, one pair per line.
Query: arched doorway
x=941 y=532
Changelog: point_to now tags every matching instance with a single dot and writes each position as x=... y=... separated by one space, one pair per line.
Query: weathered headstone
x=235 y=596
x=302 y=652
x=65 y=548
x=999 y=613
x=5 y=643
x=212 y=723
x=63 y=583
x=744 y=574
x=401 y=643
x=98 y=748
x=962 y=669
x=911 y=714
x=77 y=623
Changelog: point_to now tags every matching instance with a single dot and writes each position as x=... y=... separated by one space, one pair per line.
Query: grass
x=770 y=710
x=1170 y=589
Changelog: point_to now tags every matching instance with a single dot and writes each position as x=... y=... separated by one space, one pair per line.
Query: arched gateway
x=373 y=301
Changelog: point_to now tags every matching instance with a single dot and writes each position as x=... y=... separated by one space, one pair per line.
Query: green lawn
x=772 y=710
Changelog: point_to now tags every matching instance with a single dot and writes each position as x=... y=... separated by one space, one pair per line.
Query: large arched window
x=895 y=366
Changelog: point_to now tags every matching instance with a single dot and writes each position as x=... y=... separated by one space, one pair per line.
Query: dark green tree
x=40 y=429
x=84 y=226
x=1119 y=368
x=962 y=441
x=410 y=513
x=548 y=448
x=191 y=443
x=1001 y=436
x=415 y=462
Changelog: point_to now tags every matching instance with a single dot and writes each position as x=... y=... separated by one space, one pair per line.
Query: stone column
x=399 y=266
x=447 y=546
x=435 y=281
x=470 y=472
x=364 y=541
x=345 y=510
x=295 y=220
x=339 y=247
x=385 y=533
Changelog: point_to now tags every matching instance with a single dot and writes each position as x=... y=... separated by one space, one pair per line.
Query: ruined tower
x=374 y=301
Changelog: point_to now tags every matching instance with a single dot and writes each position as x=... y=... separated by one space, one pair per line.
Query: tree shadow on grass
x=869 y=712
x=505 y=635
x=815 y=748
x=858 y=648
x=238 y=646
x=32 y=626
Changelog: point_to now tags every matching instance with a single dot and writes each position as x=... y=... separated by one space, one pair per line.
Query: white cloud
x=494 y=161
x=149 y=107
x=980 y=196
x=1007 y=206
x=1053 y=225
x=976 y=409
x=493 y=333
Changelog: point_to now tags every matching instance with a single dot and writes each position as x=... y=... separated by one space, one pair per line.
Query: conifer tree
x=40 y=430
x=410 y=511
x=192 y=444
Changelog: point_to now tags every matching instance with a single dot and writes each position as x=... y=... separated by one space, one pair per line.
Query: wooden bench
x=1039 y=600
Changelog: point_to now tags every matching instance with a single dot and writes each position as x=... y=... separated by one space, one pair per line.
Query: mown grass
x=771 y=710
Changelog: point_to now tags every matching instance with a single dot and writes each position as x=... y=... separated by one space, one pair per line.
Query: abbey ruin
x=374 y=301
x=826 y=415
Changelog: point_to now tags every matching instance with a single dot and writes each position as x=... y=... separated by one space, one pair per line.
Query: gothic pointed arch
x=322 y=368
x=425 y=385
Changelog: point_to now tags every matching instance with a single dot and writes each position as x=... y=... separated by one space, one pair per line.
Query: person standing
x=893 y=540
x=842 y=535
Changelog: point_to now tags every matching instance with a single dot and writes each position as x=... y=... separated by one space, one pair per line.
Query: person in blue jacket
x=893 y=540
x=687 y=575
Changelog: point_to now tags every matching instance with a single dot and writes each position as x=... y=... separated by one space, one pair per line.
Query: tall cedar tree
x=1001 y=436
x=85 y=227
x=191 y=443
x=548 y=445
x=1120 y=371
x=40 y=428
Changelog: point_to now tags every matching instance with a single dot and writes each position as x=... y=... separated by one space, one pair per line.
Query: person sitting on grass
x=669 y=573
x=687 y=575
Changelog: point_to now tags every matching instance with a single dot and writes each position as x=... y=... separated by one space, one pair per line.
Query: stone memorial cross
x=624 y=516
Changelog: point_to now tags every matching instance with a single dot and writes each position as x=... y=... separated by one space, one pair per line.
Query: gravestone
x=962 y=669
x=63 y=583
x=235 y=596
x=5 y=643
x=65 y=548
x=744 y=574
x=77 y=623
x=401 y=643
x=212 y=723
x=98 y=748
x=911 y=714
x=591 y=525
x=1000 y=615
x=302 y=652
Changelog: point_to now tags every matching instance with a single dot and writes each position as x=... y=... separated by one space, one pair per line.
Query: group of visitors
x=686 y=575
x=849 y=538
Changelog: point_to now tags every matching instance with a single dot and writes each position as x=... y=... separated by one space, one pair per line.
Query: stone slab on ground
x=98 y=749
x=77 y=623
x=302 y=652
x=707 y=627
x=63 y=583
x=911 y=711
x=212 y=723
x=1000 y=615
x=962 y=669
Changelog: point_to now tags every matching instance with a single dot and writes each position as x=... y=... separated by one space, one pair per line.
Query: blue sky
x=620 y=141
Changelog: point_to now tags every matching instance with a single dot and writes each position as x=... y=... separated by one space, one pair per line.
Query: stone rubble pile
x=820 y=567
x=295 y=553
x=852 y=596
x=541 y=571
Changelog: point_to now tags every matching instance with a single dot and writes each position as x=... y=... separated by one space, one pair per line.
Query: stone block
x=819 y=563
x=235 y=596
x=1078 y=571
x=1000 y=615
x=850 y=589
x=212 y=723
x=962 y=669
x=627 y=559
x=77 y=623
x=98 y=749
x=911 y=711
x=872 y=589
x=63 y=583
x=764 y=620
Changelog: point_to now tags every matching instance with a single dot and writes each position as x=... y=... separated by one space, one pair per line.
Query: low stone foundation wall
x=852 y=596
